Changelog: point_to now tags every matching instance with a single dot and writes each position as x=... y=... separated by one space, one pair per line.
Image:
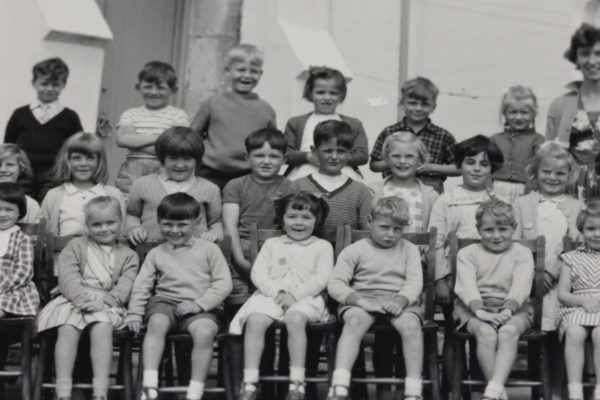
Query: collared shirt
x=172 y=186
x=518 y=148
x=439 y=142
x=71 y=218
x=44 y=112
x=4 y=238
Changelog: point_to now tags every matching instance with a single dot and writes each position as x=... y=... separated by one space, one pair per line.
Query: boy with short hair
x=139 y=127
x=349 y=201
x=225 y=119
x=181 y=286
x=41 y=128
x=375 y=278
x=179 y=150
x=418 y=98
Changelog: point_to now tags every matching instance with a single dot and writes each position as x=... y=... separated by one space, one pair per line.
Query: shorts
x=166 y=306
x=416 y=309
x=522 y=319
x=134 y=168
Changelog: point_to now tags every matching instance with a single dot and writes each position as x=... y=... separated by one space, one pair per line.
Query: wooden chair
x=121 y=340
x=178 y=344
x=538 y=376
x=430 y=359
x=23 y=326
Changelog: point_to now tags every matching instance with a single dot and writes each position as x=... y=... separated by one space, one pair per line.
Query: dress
x=584 y=144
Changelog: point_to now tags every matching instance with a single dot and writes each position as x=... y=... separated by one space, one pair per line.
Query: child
x=42 y=127
x=180 y=286
x=493 y=282
x=519 y=142
x=250 y=200
x=179 y=150
x=418 y=100
x=18 y=294
x=375 y=278
x=14 y=167
x=349 y=201
x=225 y=119
x=138 y=128
x=95 y=276
x=404 y=153
x=81 y=170
x=289 y=273
x=326 y=89
x=578 y=289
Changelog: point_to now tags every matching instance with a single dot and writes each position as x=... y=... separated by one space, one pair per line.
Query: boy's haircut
x=315 y=73
x=475 y=145
x=11 y=149
x=178 y=206
x=102 y=203
x=419 y=88
x=591 y=209
x=586 y=36
x=85 y=143
x=392 y=207
x=179 y=141
x=157 y=72
x=302 y=201
x=257 y=139
x=517 y=94
x=405 y=137
x=332 y=129
x=554 y=151
x=54 y=69
x=244 y=52
x=502 y=212
x=13 y=193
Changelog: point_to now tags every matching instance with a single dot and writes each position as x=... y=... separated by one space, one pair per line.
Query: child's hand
x=495 y=319
x=211 y=237
x=134 y=325
x=187 y=307
x=284 y=300
x=92 y=306
x=506 y=314
x=392 y=307
x=137 y=235
x=549 y=281
x=591 y=305
x=312 y=159
x=442 y=292
x=370 y=305
x=427 y=168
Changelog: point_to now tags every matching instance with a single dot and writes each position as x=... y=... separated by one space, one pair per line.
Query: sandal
x=298 y=393
x=333 y=395
x=149 y=393
x=246 y=393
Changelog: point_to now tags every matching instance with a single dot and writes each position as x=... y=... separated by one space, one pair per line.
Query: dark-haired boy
x=41 y=128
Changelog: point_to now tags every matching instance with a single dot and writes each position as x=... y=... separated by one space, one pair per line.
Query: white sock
x=597 y=392
x=297 y=374
x=251 y=375
x=413 y=387
x=341 y=377
x=195 y=390
x=150 y=378
x=575 y=390
x=100 y=387
x=494 y=390
x=64 y=387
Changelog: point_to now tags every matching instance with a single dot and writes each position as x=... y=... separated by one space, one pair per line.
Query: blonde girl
x=15 y=167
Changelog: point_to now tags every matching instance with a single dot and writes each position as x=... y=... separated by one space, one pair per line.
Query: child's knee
x=203 y=332
x=408 y=324
x=508 y=333
x=295 y=321
x=596 y=335
x=158 y=324
x=257 y=322
x=575 y=334
x=486 y=333
x=355 y=321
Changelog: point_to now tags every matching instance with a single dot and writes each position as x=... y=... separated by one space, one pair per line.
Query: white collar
x=72 y=189
x=38 y=104
x=10 y=230
x=162 y=176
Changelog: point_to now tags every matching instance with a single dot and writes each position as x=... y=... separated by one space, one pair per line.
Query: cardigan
x=561 y=115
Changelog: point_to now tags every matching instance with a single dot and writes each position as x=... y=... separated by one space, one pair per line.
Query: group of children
x=190 y=186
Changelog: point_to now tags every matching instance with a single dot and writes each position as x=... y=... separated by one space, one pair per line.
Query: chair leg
x=40 y=368
x=225 y=368
x=457 y=367
x=127 y=372
x=432 y=364
x=534 y=367
x=26 y=336
x=545 y=371
x=331 y=352
x=140 y=375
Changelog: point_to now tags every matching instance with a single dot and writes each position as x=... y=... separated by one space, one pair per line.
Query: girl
x=289 y=273
x=519 y=142
x=578 y=291
x=14 y=167
x=326 y=89
x=404 y=153
x=81 y=170
x=493 y=282
x=18 y=294
x=95 y=277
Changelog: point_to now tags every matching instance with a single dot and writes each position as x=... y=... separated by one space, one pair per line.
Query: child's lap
x=165 y=306
x=522 y=319
x=519 y=322
x=312 y=307
x=376 y=318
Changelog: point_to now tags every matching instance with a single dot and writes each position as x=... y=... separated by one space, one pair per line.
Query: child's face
x=403 y=160
x=83 y=166
x=496 y=236
x=385 y=232
x=244 y=75
x=332 y=157
x=298 y=224
x=265 y=162
x=476 y=171
x=9 y=169
x=519 y=115
x=156 y=95
x=48 y=90
x=591 y=232
x=179 y=168
x=553 y=177
x=416 y=110
x=9 y=215
x=104 y=226
x=177 y=232
x=326 y=96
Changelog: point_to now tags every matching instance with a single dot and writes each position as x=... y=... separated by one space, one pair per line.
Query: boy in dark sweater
x=41 y=128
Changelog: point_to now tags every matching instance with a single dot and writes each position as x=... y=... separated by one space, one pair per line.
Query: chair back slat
x=570 y=244
x=37 y=232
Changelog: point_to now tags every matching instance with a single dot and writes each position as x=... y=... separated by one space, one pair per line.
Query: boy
x=418 y=98
x=179 y=150
x=139 y=127
x=349 y=201
x=41 y=128
x=379 y=277
x=180 y=286
x=225 y=119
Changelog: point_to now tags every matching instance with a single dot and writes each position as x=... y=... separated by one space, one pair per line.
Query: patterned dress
x=585 y=146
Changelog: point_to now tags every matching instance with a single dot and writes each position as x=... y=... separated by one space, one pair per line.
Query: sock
x=494 y=390
x=413 y=387
x=575 y=390
x=195 y=390
x=341 y=377
x=150 y=378
x=597 y=392
x=100 y=387
x=297 y=374
x=64 y=387
x=251 y=375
